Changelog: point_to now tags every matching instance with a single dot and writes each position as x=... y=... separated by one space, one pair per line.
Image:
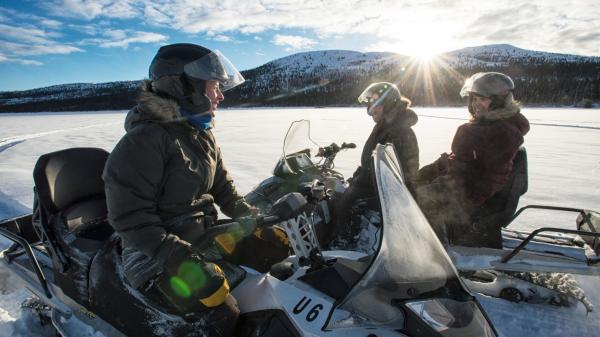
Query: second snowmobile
x=513 y=265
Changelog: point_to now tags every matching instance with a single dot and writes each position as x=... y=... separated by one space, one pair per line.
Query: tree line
x=550 y=83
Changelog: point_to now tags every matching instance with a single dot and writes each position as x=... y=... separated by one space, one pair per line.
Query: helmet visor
x=375 y=95
x=466 y=89
x=472 y=85
x=215 y=67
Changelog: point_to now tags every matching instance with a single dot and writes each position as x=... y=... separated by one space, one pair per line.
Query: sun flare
x=425 y=56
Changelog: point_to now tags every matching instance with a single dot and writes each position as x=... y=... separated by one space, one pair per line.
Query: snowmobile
x=509 y=264
x=404 y=285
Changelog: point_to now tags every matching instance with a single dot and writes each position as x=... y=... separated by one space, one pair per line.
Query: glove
x=189 y=282
x=274 y=235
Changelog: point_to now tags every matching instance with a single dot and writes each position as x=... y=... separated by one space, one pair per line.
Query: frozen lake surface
x=563 y=149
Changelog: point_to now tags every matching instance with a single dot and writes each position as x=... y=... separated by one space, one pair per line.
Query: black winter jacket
x=161 y=173
x=399 y=132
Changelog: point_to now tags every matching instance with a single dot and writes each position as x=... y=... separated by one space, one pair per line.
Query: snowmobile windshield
x=215 y=67
x=411 y=267
x=298 y=147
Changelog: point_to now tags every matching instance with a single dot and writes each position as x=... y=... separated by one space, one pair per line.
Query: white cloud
x=222 y=38
x=136 y=37
x=91 y=9
x=293 y=42
x=30 y=62
x=402 y=26
x=24 y=34
x=155 y=15
x=4 y=59
x=115 y=34
x=50 y=23
x=121 y=38
x=21 y=49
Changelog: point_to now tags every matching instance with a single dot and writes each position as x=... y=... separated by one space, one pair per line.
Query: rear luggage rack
x=586 y=220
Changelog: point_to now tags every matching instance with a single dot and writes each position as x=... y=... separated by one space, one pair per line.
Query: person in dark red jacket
x=483 y=149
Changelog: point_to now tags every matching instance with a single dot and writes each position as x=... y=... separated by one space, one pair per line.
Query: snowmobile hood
x=151 y=108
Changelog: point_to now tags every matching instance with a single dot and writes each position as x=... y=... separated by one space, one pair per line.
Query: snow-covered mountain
x=505 y=54
x=336 y=77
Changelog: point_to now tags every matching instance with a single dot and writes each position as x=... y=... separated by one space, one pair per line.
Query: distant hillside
x=336 y=77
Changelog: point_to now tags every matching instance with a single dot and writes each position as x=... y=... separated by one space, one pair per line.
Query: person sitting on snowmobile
x=162 y=180
x=393 y=124
x=483 y=149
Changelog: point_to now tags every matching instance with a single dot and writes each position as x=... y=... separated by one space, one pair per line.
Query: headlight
x=452 y=318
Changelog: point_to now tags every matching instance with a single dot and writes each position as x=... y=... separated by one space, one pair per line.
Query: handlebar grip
x=267 y=220
x=348 y=146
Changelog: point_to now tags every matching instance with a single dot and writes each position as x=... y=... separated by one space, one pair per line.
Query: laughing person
x=483 y=149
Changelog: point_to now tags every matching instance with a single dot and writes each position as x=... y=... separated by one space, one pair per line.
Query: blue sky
x=64 y=41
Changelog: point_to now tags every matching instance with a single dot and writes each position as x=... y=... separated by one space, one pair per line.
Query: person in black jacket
x=393 y=124
x=162 y=180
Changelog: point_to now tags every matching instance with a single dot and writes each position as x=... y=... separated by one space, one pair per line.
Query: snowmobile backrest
x=505 y=201
x=488 y=220
x=64 y=177
x=70 y=181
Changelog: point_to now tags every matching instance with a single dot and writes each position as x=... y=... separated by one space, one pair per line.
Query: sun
x=424 y=52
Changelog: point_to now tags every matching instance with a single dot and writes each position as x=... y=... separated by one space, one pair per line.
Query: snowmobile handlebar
x=333 y=149
x=329 y=153
x=287 y=207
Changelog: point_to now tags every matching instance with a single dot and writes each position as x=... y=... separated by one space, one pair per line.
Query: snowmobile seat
x=489 y=219
x=70 y=213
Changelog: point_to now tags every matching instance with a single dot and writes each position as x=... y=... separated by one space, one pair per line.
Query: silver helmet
x=487 y=85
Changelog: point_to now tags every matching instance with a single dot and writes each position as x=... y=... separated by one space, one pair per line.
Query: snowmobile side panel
x=305 y=307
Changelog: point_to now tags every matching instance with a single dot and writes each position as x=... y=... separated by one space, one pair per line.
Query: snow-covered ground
x=564 y=169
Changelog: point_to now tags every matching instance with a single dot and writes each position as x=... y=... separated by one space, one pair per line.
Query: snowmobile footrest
x=55 y=317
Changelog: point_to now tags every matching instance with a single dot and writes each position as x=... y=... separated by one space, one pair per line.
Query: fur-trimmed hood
x=407 y=118
x=151 y=108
